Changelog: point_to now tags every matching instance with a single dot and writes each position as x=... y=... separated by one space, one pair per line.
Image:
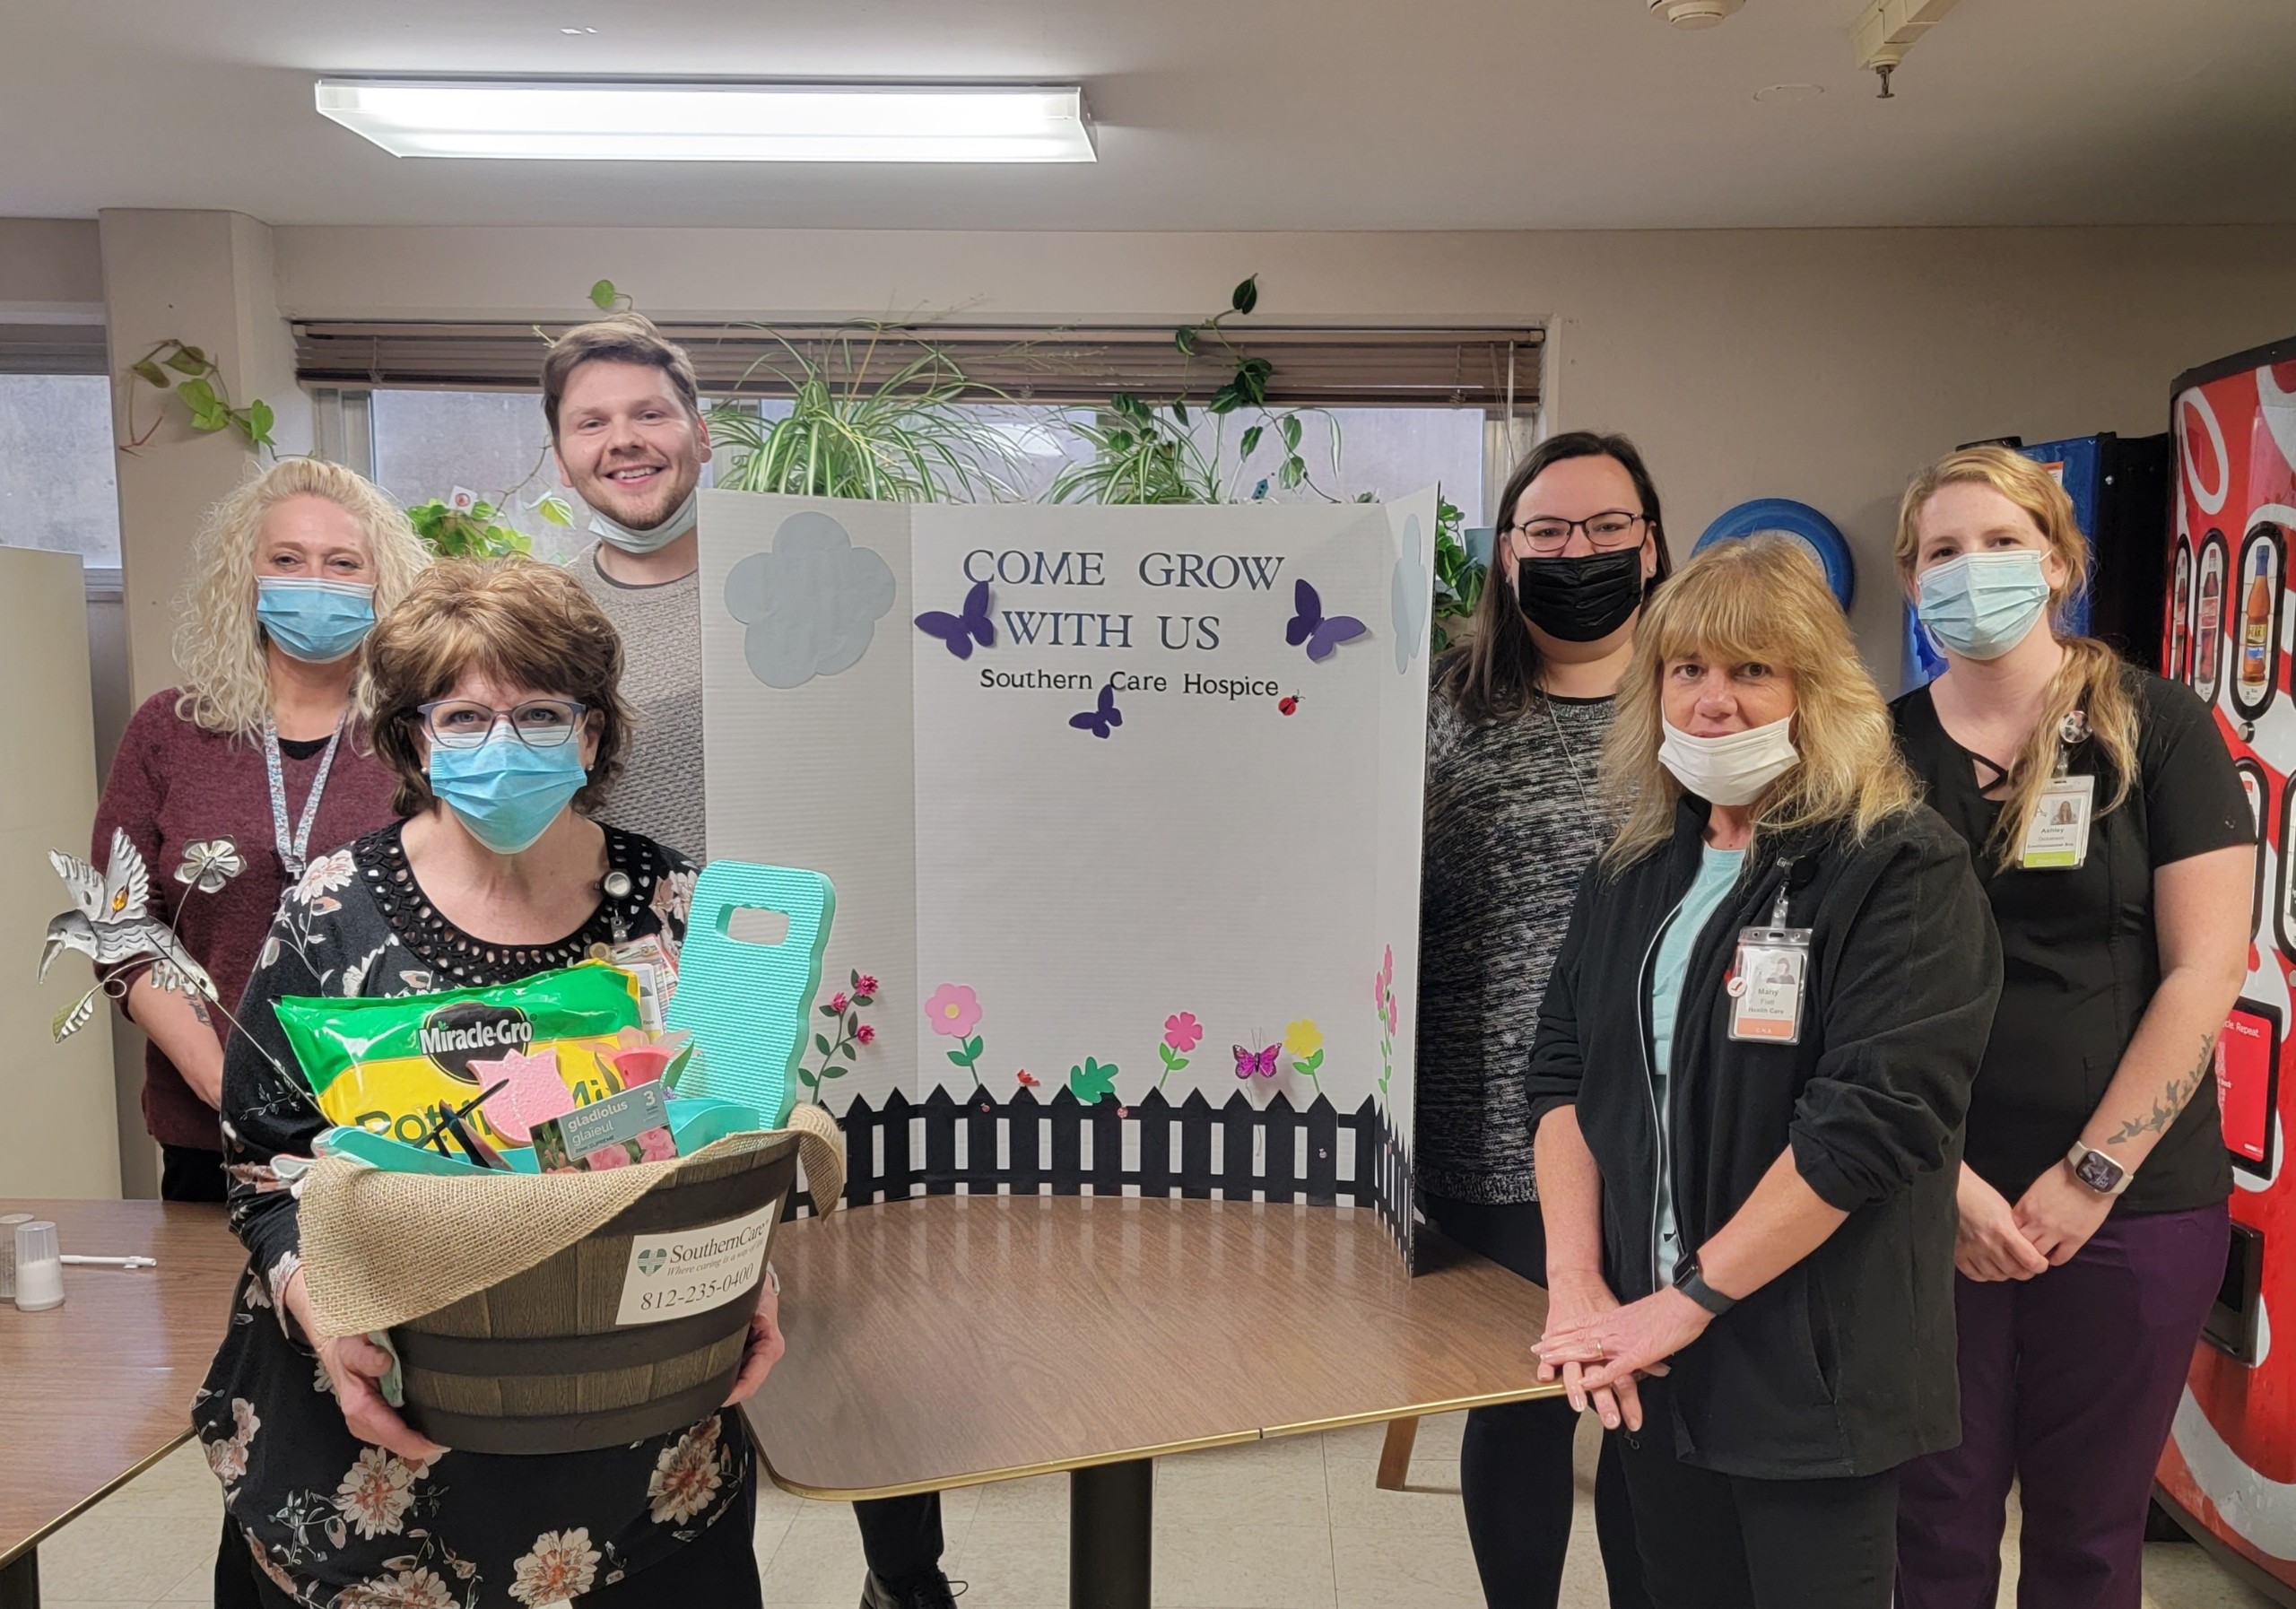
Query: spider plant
x=905 y=438
x=1139 y=455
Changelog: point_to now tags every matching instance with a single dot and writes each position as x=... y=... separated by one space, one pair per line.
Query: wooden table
x=956 y=1340
x=96 y=1391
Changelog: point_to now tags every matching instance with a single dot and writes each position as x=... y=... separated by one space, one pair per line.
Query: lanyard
x=292 y=851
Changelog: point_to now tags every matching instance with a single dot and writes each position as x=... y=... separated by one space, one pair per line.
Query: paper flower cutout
x=534 y=1093
x=1182 y=1031
x=1407 y=600
x=810 y=603
x=953 y=1011
x=1302 y=1038
x=210 y=864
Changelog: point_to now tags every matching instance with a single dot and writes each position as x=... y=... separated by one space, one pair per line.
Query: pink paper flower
x=836 y=1003
x=865 y=1034
x=867 y=984
x=1182 y=1031
x=953 y=1011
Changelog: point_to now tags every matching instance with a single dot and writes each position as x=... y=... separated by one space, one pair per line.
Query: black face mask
x=1581 y=600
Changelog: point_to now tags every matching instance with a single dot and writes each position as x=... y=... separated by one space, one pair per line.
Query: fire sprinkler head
x=1694 y=14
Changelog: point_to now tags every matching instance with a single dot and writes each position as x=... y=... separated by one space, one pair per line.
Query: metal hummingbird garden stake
x=113 y=924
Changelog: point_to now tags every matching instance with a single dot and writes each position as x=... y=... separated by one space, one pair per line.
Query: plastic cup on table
x=40 y=1268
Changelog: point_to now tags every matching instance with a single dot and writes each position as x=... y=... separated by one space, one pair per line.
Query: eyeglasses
x=1612 y=528
x=466 y=724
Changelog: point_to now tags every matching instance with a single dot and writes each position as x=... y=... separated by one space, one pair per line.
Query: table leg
x=20 y=1581
x=1395 y=1455
x=1111 y=1514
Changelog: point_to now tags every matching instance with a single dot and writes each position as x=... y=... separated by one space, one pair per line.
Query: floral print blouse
x=336 y=1523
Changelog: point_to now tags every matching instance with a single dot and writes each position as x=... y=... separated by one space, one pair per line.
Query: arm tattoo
x=2172 y=1099
x=199 y=1010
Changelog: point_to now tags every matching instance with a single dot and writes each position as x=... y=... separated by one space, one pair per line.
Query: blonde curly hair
x=226 y=686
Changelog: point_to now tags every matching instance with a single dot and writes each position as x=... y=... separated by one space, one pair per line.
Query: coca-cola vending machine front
x=2230 y=1467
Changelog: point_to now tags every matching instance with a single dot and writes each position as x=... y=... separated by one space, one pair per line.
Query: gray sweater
x=1509 y=831
x=660 y=793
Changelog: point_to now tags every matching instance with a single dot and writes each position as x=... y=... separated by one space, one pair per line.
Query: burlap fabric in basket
x=380 y=1249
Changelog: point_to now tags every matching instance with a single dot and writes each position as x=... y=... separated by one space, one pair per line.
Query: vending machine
x=2228 y=1472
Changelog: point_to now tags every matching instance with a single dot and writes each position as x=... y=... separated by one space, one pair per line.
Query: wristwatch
x=2097 y=1170
x=1691 y=1283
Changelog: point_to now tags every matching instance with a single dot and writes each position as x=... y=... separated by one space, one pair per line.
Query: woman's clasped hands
x=1599 y=1349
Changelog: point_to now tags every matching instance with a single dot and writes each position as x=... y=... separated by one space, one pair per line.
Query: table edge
x=846 y=1494
x=32 y=1540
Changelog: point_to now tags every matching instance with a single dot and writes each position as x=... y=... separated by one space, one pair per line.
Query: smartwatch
x=2097 y=1170
x=1691 y=1283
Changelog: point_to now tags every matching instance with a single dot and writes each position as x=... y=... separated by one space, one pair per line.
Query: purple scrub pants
x=2069 y=1381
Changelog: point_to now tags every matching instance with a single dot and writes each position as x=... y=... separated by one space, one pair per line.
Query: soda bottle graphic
x=2255 y=630
x=2180 y=619
x=2206 y=630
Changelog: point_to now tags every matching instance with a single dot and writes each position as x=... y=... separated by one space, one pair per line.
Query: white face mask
x=681 y=520
x=1732 y=768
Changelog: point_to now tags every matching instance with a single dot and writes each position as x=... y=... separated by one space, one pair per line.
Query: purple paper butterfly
x=958 y=632
x=1263 y=1063
x=1310 y=626
x=1098 y=721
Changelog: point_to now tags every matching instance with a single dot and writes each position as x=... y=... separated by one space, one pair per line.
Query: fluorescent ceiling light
x=643 y=121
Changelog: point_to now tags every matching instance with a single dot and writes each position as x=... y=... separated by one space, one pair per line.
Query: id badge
x=648 y=960
x=2057 y=839
x=1767 y=984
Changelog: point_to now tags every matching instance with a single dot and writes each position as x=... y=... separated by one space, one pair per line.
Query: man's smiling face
x=627 y=445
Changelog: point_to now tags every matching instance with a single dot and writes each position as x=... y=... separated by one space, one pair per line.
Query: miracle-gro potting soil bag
x=389 y=1064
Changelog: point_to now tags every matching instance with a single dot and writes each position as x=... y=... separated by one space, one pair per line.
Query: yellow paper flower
x=1302 y=1038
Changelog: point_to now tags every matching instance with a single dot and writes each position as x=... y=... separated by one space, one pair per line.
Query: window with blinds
x=1496 y=369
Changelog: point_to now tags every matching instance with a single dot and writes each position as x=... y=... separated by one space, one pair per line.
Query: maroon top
x=174 y=783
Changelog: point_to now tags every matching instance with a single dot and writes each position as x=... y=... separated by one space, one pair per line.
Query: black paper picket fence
x=1025 y=1146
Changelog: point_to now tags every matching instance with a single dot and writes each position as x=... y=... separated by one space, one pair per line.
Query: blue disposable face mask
x=506 y=792
x=315 y=620
x=1981 y=605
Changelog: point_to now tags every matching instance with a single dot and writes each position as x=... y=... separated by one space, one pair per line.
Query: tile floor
x=1296 y=1523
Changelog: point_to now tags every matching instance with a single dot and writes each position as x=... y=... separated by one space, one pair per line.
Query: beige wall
x=49 y=264
x=62 y=1137
x=204 y=278
x=1826 y=365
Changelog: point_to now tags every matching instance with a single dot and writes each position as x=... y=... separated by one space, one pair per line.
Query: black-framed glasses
x=1611 y=529
x=466 y=723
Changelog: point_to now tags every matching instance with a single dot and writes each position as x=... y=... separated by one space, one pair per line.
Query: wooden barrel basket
x=540 y=1363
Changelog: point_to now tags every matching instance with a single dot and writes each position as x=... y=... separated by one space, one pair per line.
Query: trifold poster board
x=1122 y=805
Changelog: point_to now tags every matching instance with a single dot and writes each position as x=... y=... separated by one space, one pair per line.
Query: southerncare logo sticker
x=690 y=1271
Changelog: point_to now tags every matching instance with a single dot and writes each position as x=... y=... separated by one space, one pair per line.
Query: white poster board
x=1124 y=823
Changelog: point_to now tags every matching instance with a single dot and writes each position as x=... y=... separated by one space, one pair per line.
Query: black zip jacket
x=1844 y=1365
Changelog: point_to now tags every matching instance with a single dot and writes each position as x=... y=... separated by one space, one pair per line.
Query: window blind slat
x=1331 y=367
x=52 y=349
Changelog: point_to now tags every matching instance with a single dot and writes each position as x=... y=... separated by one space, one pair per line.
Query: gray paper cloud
x=810 y=603
x=1407 y=598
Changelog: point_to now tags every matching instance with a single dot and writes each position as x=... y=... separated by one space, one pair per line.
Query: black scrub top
x=2079 y=958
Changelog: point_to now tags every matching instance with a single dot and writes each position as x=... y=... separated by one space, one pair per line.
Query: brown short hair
x=519 y=621
x=619 y=338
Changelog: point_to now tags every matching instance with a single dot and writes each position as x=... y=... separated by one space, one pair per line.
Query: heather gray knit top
x=1509 y=833
x=660 y=792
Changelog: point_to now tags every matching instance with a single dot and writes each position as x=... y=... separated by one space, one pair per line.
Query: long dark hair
x=1493 y=677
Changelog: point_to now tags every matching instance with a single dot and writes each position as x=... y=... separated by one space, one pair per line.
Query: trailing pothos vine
x=177 y=368
x=1148 y=453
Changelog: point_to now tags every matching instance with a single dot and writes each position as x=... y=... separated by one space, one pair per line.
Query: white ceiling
x=1214 y=113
